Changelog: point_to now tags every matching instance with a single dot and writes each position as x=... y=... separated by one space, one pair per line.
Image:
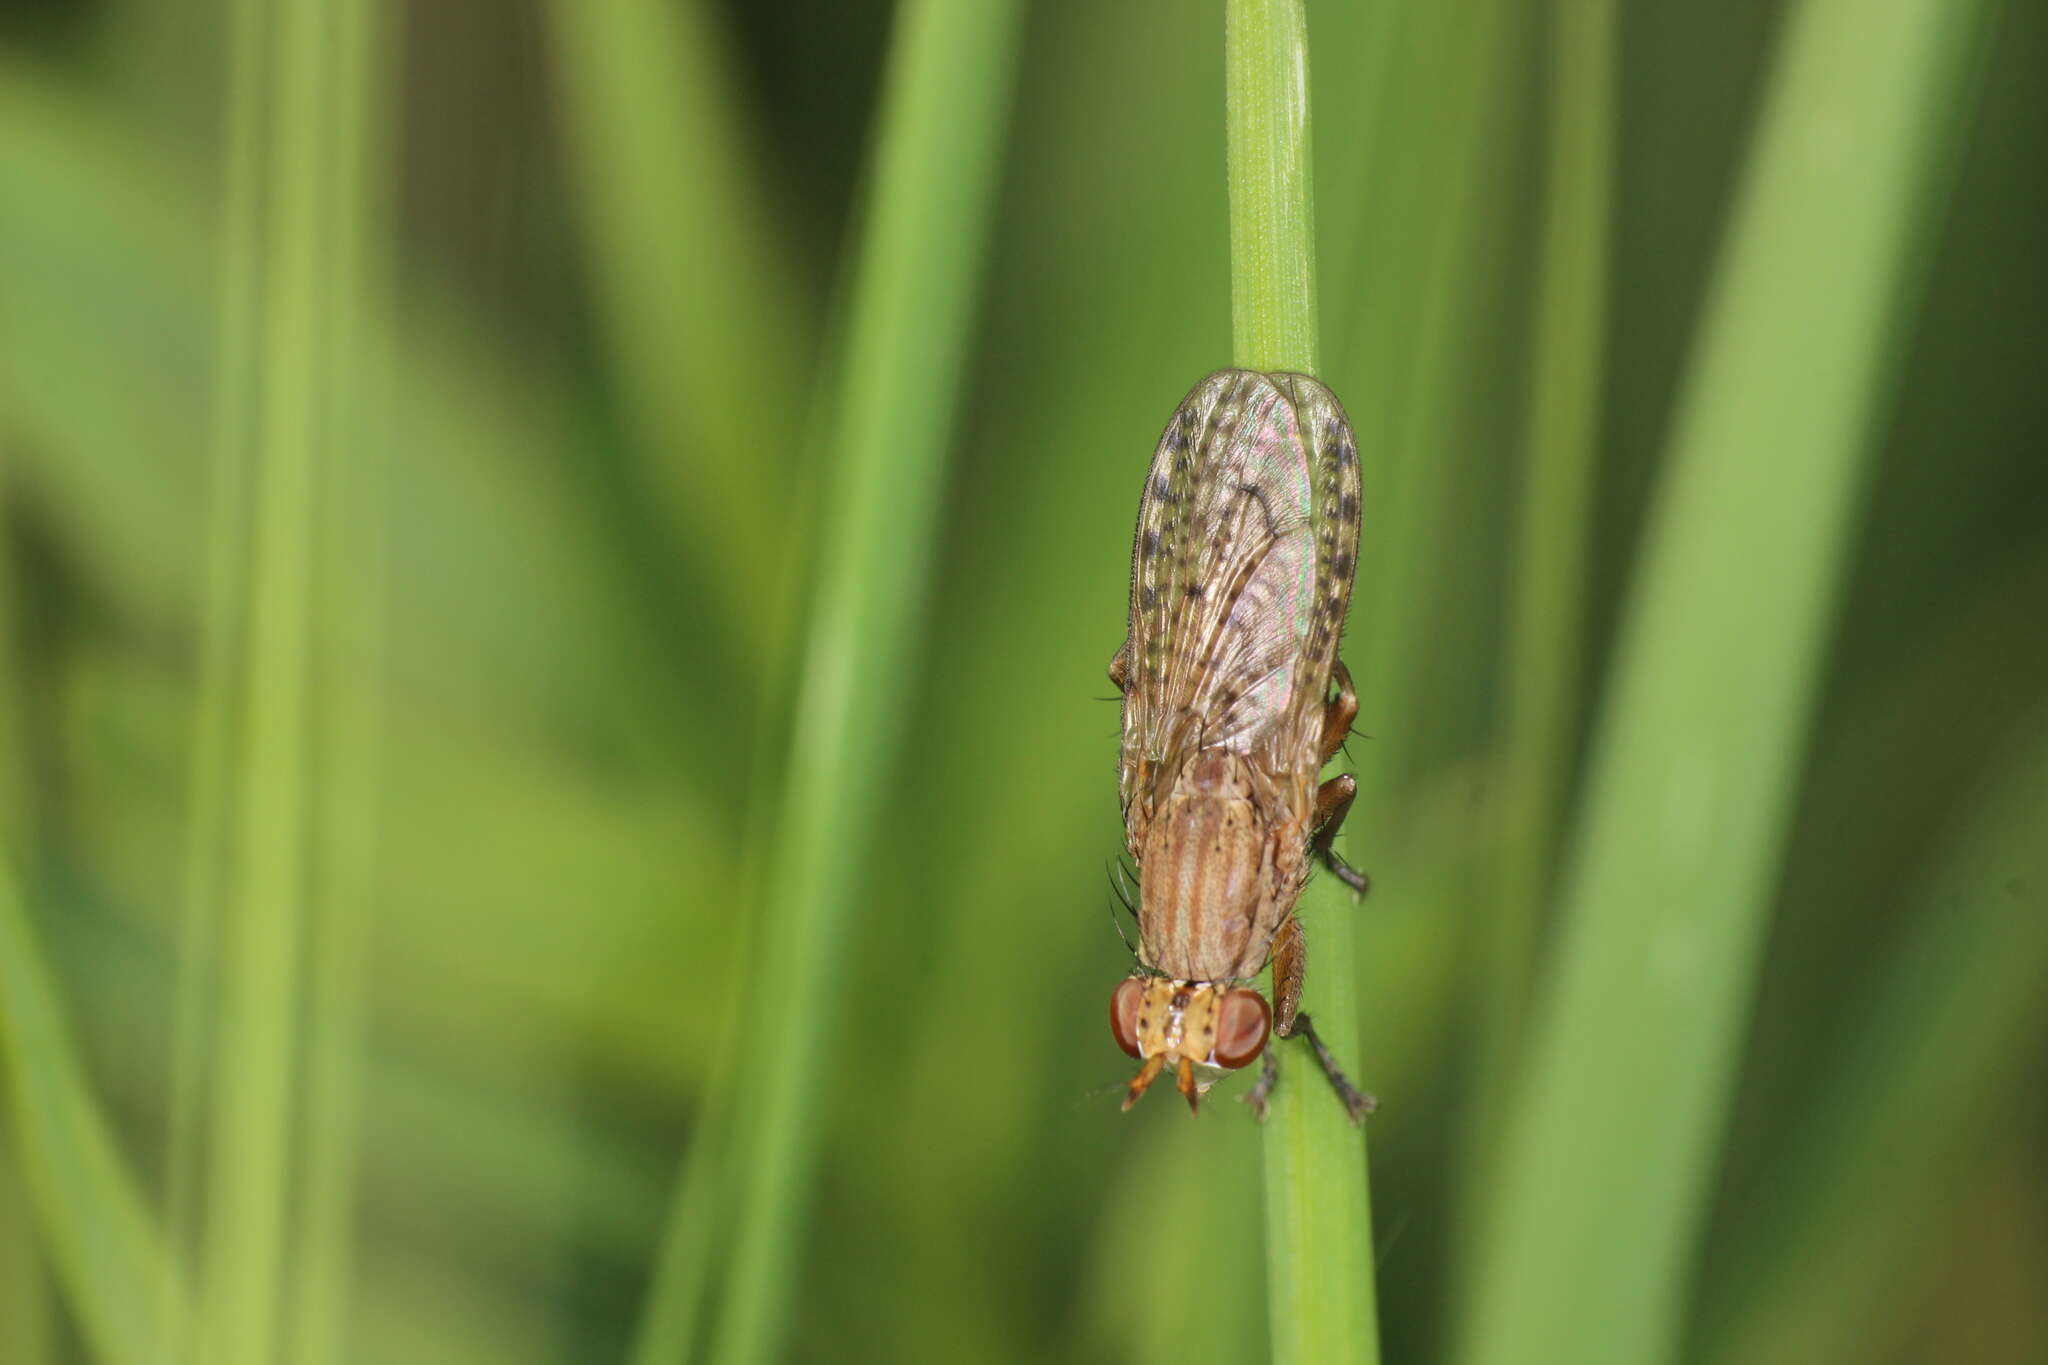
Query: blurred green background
x=420 y=429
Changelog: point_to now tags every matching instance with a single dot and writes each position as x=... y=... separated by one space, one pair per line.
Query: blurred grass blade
x=26 y=1322
x=1319 y=1270
x=680 y=1279
x=271 y=876
x=350 y=580
x=1439 y=219
x=96 y=1231
x=1948 y=1044
x=1135 y=1328
x=938 y=145
x=1556 y=529
x=202 y=894
x=1611 y=1143
x=1360 y=137
x=1554 y=537
x=689 y=267
x=25 y=1318
x=1421 y=251
x=236 y=968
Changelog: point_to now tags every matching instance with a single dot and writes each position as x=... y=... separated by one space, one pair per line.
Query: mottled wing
x=1334 y=518
x=1241 y=570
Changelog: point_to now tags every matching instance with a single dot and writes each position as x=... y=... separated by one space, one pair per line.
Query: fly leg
x=1333 y=798
x=1357 y=1103
x=1290 y=955
x=1337 y=716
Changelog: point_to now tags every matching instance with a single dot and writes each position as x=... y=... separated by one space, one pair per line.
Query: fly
x=1241 y=572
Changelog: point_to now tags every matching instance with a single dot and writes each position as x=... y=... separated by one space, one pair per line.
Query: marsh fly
x=1233 y=699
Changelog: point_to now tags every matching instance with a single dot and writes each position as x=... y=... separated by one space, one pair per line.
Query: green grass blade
x=701 y=320
x=1548 y=593
x=945 y=103
x=1549 y=589
x=1441 y=216
x=1949 y=1042
x=25 y=1318
x=1611 y=1144
x=96 y=1231
x=237 y=265
x=1137 y=1328
x=274 y=805
x=701 y=1200
x=1318 y=1213
x=350 y=583
x=680 y=1279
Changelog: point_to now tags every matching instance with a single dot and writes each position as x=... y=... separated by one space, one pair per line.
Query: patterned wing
x=1240 y=573
x=1334 y=516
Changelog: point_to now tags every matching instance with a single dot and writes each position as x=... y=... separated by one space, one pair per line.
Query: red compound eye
x=1123 y=1012
x=1241 y=1028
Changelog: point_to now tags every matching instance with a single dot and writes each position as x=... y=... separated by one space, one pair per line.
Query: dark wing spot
x=1161 y=487
x=1350 y=506
x=1151 y=543
x=1193 y=590
x=1148 y=597
x=1342 y=565
x=1258 y=495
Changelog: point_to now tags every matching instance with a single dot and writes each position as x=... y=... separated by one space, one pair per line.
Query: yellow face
x=1185 y=1024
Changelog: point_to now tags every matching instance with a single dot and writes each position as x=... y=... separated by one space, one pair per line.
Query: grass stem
x=1318 y=1214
